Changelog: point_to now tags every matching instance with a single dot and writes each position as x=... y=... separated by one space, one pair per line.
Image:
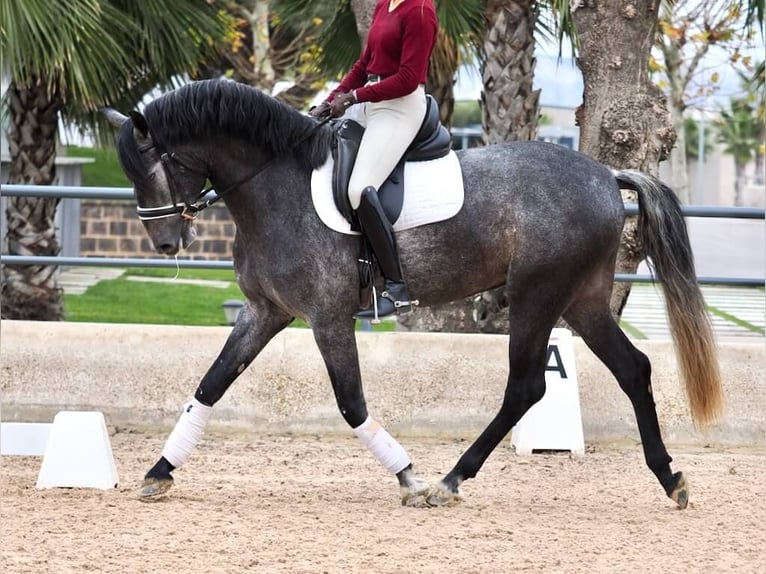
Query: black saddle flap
x=348 y=134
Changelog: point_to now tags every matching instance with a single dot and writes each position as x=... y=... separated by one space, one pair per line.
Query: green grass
x=123 y=301
x=632 y=330
x=736 y=320
x=168 y=303
x=105 y=171
x=169 y=273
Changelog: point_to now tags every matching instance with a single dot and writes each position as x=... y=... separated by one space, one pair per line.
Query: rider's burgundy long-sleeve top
x=399 y=45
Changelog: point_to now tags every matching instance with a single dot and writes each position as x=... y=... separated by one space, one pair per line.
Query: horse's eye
x=152 y=176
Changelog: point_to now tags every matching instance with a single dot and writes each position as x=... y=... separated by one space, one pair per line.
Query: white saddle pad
x=433 y=191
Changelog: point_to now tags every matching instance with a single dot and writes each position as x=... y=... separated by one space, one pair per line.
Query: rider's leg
x=390 y=128
x=377 y=229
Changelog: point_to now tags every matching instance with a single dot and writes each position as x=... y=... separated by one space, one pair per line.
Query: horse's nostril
x=167 y=249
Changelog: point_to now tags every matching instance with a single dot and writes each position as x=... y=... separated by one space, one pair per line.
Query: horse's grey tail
x=662 y=229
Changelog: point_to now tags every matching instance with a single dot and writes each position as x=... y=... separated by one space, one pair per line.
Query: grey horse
x=540 y=219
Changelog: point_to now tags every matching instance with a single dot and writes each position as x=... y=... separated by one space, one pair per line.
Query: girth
x=432 y=141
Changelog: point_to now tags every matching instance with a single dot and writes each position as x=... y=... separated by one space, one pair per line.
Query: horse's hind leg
x=594 y=323
x=257 y=323
x=336 y=340
x=533 y=313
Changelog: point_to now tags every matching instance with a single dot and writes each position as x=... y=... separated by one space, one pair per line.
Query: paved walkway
x=736 y=312
x=76 y=280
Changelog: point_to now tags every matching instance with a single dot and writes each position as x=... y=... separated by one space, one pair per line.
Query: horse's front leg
x=257 y=323
x=337 y=344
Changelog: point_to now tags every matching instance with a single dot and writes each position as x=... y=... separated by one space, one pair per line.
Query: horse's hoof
x=680 y=492
x=153 y=489
x=415 y=493
x=440 y=495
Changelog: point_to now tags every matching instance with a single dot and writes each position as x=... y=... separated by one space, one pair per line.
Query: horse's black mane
x=221 y=107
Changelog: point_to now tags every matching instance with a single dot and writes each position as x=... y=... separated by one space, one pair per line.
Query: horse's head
x=165 y=185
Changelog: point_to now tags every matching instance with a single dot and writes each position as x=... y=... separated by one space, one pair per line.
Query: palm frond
x=754 y=14
x=41 y=42
x=339 y=42
x=463 y=23
x=556 y=21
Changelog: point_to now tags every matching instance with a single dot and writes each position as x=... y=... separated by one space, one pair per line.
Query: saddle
x=432 y=141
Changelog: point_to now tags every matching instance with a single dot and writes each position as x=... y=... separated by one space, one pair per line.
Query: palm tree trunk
x=510 y=105
x=442 y=71
x=760 y=176
x=31 y=291
x=739 y=181
x=510 y=109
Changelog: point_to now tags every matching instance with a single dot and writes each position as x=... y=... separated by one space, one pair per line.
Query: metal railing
x=122 y=193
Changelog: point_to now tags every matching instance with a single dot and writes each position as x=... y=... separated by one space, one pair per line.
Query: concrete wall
x=416 y=383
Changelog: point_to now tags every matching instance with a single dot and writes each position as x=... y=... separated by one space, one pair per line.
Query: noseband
x=189 y=211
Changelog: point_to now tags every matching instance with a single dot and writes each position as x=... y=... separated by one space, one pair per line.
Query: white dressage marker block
x=79 y=454
x=24 y=439
x=555 y=422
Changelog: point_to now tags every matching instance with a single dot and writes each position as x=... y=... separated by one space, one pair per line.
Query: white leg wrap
x=186 y=433
x=383 y=446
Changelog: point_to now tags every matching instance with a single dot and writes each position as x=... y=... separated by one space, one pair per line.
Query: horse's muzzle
x=167 y=236
x=167 y=248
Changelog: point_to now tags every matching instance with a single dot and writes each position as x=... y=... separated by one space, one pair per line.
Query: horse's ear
x=114 y=117
x=139 y=122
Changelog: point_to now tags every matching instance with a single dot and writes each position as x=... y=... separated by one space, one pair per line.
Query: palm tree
x=694 y=132
x=510 y=109
x=754 y=14
x=509 y=102
x=738 y=131
x=68 y=63
x=754 y=84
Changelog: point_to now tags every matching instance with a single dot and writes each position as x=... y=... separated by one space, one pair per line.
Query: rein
x=189 y=211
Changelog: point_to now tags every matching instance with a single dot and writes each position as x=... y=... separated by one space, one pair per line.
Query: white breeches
x=390 y=126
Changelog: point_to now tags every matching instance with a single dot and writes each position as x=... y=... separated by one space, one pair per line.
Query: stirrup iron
x=397 y=304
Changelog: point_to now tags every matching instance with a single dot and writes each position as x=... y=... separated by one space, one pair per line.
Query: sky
x=561 y=84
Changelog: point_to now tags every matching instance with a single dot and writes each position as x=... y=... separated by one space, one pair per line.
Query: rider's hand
x=341 y=103
x=320 y=111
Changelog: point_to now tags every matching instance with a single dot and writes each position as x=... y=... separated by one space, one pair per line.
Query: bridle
x=189 y=211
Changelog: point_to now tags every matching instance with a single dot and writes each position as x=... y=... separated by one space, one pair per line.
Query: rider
x=388 y=80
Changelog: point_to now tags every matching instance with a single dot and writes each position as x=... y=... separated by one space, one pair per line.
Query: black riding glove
x=341 y=103
x=321 y=111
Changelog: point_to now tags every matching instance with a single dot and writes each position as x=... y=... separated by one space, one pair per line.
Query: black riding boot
x=380 y=235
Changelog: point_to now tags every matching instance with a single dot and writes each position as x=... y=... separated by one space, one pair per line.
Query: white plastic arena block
x=79 y=453
x=555 y=422
x=24 y=439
